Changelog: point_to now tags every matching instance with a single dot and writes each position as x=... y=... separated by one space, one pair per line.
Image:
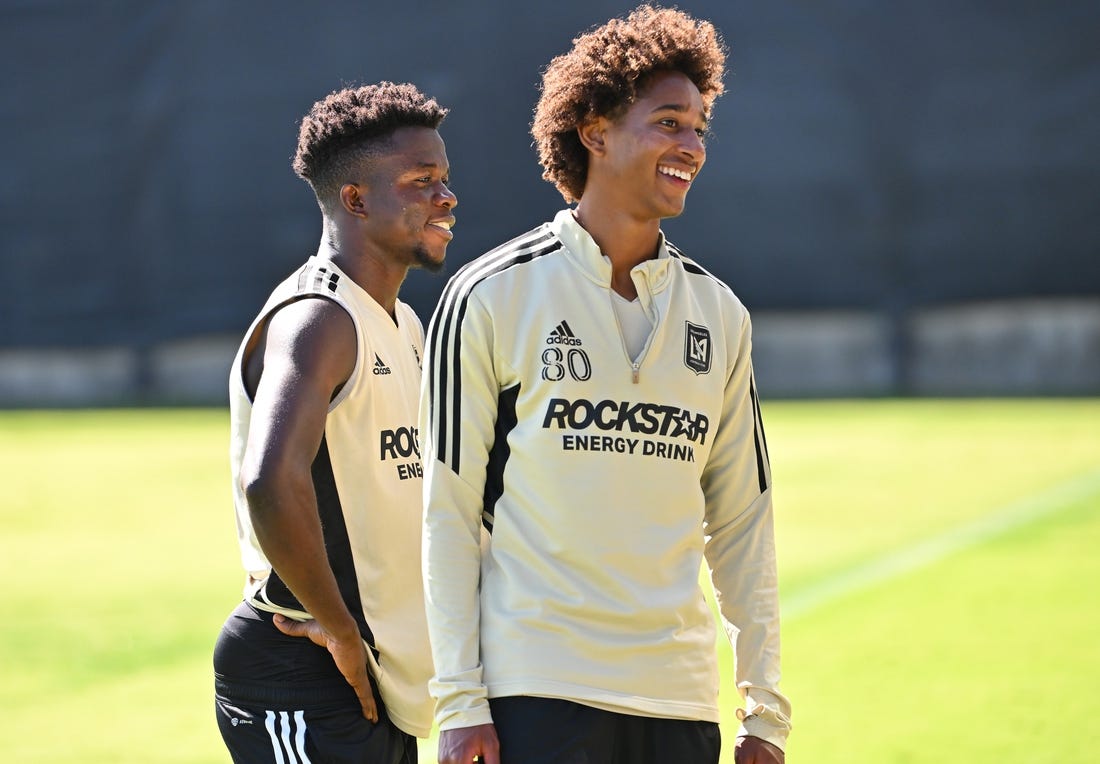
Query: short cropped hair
x=603 y=74
x=352 y=124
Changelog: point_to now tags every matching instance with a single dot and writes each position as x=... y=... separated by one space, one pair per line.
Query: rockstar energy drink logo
x=627 y=418
x=403 y=446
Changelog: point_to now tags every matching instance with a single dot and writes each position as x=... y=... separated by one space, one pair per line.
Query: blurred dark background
x=905 y=195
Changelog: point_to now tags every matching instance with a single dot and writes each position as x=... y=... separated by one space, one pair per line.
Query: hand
x=461 y=745
x=350 y=657
x=753 y=750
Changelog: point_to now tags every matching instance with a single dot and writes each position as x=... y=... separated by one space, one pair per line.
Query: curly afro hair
x=352 y=124
x=603 y=74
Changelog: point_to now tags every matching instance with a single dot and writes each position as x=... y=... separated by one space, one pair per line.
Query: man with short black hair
x=327 y=658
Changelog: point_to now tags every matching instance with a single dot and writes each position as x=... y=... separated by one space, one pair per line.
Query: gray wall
x=878 y=163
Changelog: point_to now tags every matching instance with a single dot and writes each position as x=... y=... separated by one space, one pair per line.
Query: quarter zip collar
x=650 y=277
x=585 y=253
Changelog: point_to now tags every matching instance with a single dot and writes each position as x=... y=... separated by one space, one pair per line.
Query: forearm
x=741 y=556
x=287 y=524
x=452 y=571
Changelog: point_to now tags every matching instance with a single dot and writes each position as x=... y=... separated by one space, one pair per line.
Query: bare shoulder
x=314 y=336
x=305 y=322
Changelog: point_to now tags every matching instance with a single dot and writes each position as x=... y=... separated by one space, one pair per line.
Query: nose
x=694 y=147
x=445 y=197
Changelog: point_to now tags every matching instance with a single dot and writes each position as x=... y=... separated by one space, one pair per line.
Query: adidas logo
x=326 y=278
x=379 y=366
x=562 y=335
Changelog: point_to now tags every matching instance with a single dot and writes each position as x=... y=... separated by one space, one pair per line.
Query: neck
x=374 y=273
x=625 y=240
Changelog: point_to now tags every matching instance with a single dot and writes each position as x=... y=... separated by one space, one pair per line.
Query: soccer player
x=591 y=433
x=325 y=457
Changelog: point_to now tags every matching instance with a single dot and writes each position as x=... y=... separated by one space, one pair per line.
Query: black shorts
x=263 y=733
x=281 y=700
x=550 y=731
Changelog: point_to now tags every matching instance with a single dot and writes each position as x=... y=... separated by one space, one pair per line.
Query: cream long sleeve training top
x=572 y=492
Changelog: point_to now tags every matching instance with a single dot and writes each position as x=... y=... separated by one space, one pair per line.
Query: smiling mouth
x=674 y=172
x=444 y=224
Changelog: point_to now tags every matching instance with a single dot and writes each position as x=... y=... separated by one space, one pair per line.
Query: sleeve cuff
x=467 y=718
x=764 y=720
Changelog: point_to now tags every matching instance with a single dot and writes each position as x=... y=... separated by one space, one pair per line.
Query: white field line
x=907 y=559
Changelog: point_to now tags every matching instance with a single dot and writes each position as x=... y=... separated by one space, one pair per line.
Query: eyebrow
x=426 y=165
x=679 y=108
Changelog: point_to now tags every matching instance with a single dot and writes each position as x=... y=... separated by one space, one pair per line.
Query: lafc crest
x=697 y=348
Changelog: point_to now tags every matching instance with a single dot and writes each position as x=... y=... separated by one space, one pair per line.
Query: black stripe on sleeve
x=758 y=437
x=759 y=416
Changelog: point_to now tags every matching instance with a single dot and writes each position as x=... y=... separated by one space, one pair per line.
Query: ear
x=593 y=135
x=352 y=200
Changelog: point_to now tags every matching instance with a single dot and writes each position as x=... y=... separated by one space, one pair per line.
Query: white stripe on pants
x=280 y=738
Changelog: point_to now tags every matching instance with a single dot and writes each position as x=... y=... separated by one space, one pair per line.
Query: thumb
x=289 y=626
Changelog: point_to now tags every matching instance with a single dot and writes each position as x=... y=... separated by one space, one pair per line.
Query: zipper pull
x=635 y=373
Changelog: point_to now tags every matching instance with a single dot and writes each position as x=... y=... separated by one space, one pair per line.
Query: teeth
x=681 y=174
x=444 y=224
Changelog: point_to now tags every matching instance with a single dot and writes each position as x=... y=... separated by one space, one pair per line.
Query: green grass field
x=939 y=570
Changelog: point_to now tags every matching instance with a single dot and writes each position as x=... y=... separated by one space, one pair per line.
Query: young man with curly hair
x=591 y=434
x=327 y=657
